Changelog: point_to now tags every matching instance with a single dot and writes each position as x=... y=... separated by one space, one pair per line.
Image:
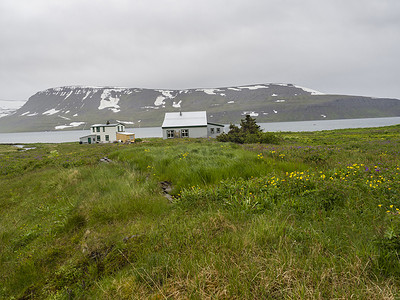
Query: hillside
x=8 y=107
x=76 y=106
x=314 y=217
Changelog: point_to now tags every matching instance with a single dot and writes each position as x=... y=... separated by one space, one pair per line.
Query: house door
x=89 y=140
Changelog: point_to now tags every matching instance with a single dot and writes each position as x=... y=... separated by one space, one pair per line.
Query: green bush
x=248 y=133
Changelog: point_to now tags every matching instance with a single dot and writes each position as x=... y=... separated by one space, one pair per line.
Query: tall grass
x=191 y=164
x=315 y=217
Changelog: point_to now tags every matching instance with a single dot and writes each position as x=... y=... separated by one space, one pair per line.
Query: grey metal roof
x=86 y=136
x=106 y=125
x=216 y=124
x=185 y=119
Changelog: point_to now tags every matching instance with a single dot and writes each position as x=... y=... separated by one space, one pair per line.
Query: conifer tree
x=248 y=125
x=249 y=132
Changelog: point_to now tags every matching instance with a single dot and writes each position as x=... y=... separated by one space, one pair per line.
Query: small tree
x=249 y=133
x=248 y=125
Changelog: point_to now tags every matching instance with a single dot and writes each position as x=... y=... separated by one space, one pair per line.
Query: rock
x=105 y=159
x=166 y=186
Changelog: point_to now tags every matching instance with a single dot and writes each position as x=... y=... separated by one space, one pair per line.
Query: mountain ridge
x=76 y=107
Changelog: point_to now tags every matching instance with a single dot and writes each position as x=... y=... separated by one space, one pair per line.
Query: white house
x=88 y=139
x=107 y=133
x=189 y=124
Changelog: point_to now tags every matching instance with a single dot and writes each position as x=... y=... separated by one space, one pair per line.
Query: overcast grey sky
x=334 y=46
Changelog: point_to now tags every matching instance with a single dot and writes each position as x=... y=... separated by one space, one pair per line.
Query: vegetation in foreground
x=316 y=216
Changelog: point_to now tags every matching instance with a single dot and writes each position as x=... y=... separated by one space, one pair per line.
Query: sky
x=334 y=46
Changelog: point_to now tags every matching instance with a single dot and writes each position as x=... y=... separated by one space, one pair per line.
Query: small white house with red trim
x=191 y=124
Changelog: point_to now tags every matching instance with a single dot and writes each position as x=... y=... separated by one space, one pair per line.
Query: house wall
x=111 y=131
x=194 y=132
x=85 y=139
x=214 y=130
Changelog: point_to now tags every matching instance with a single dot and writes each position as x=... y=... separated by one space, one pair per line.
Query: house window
x=212 y=130
x=107 y=138
x=97 y=129
x=93 y=129
x=170 y=134
x=185 y=133
x=98 y=137
x=218 y=130
x=104 y=129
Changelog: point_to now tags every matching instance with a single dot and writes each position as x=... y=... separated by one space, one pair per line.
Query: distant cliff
x=76 y=107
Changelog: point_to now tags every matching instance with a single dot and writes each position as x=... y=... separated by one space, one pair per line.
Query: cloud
x=335 y=46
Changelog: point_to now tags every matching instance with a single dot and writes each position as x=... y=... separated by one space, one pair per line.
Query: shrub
x=248 y=133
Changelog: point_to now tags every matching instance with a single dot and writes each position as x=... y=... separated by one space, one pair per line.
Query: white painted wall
x=215 y=128
x=111 y=131
x=194 y=132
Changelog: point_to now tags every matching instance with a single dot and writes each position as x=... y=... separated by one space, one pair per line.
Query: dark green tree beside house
x=249 y=132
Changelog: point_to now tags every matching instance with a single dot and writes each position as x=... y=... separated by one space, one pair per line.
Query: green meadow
x=316 y=216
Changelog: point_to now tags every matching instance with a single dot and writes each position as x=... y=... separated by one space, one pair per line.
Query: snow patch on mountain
x=87 y=95
x=166 y=94
x=210 y=91
x=126 y=122
x=151 y=107
x=65 y=118
x=177 y=104
x=254 y=87
x=250 y=113
x=107 y=101
x=50 y=112
x=8 y=107
x=72 y=124
x=69 y=94
x=313 y=92
x=160 y=101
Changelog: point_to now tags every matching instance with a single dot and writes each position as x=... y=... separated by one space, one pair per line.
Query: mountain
x=76 y=107
x=8 y=107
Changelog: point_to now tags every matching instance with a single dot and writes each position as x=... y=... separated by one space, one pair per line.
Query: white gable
x=185 y=119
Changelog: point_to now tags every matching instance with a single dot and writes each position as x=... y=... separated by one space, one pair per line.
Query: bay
x=148 y=132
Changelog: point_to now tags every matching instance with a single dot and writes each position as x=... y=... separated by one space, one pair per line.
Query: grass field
x=315 y=217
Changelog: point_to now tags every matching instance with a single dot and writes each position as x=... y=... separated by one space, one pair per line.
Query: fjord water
x=148 y=132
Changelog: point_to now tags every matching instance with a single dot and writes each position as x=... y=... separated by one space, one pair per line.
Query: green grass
x=314 y=217
x=199 y=162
